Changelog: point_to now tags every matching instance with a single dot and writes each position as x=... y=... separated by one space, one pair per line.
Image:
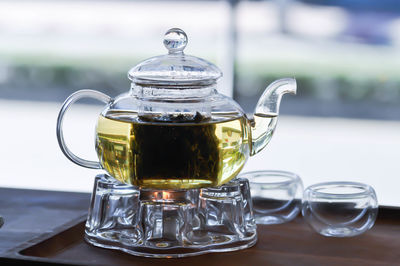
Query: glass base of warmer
x=170 y=223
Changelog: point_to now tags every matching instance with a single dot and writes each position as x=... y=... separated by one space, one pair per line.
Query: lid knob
x=175 y=40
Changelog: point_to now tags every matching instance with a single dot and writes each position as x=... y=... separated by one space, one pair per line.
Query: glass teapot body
x=170 y=142
x=173 y=130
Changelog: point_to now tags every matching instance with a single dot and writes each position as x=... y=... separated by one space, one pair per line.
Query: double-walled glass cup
x=276 y=195
x=340 y=209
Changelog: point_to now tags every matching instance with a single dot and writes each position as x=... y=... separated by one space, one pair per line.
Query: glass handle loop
x=60 y=134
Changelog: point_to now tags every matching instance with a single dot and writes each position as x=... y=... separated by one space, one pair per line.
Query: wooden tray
x=293 y=243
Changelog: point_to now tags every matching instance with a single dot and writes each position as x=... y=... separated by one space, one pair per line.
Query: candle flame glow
x=163 y=195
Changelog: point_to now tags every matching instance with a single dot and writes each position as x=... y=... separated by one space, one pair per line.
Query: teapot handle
x=60 y=134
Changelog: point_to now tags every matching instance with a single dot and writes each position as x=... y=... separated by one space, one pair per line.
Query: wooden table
x=46 y=228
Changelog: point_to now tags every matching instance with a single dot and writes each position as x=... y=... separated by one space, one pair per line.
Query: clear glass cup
x=340 y=209
x=276 y=195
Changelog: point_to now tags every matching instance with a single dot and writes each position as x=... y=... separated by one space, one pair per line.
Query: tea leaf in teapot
x=175 y=150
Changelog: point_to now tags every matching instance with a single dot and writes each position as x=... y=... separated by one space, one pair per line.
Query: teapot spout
x=271 y=98
x=266 y=113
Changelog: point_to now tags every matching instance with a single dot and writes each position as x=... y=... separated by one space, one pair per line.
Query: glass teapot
x=173 y=130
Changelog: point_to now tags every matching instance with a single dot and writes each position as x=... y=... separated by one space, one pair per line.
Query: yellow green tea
x=172 y=155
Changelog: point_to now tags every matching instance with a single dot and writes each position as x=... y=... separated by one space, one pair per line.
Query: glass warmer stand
x=170 y=223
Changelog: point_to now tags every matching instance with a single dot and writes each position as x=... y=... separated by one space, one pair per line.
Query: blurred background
x=344 y=123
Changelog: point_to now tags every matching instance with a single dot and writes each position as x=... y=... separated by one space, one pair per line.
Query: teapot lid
x=175 y=68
